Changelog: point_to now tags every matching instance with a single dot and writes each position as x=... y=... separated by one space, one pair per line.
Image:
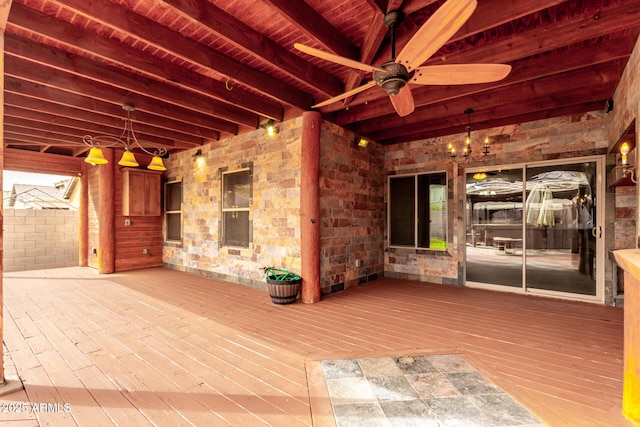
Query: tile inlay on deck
x=436 y=390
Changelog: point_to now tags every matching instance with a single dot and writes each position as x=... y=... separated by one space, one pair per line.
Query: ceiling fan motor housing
x=393 y=78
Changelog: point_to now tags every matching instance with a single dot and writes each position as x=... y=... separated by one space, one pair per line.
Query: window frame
x=168 y=212
x=223 y=210
x=416 y=211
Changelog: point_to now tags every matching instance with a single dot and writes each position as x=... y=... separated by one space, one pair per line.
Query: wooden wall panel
x=145 y=232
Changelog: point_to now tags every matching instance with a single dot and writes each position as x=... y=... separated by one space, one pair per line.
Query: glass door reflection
x=494 y=228
x=552 y=216
x=560 y=219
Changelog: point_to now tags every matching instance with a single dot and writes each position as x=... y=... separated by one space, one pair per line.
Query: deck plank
x=158 y=346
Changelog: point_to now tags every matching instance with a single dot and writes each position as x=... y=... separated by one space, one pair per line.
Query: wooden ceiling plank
x=32 y=101
x=62 y=133
x=83 y=127
x=310 y=22
x=76 y=85
x=530 y=69
x=111 y=51
x=518 y=106
x=488 y=14
x=372 y=41
x=24 y=50
x=530 y=43
x=593 y=76
x=533 y=114
x=374 y=37
x=609 y=19
x=166 y=40
x=492 y=13
x=21 y=88
x=246 y=38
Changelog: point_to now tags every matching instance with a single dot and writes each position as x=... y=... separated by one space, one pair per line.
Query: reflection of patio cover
x=539 y=207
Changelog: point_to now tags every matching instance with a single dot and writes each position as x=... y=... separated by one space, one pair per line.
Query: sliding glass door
x=534 y=228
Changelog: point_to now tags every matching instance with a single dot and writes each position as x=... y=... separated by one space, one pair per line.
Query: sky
x=10 y=177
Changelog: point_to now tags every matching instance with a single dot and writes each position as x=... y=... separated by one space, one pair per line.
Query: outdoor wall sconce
x=198 y=153
x=627 y=169
x=270 y=128
x=362 y=142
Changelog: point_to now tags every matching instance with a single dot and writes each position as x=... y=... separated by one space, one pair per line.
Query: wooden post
x=106 y=215
x=4 y=14
x=83 y=226
x=310 y=207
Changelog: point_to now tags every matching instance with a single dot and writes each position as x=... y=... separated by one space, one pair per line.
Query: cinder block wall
x=38 y=239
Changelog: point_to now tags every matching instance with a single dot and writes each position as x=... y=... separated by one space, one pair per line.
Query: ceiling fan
x=395 y=75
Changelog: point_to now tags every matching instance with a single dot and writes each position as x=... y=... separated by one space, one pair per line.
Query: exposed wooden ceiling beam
x=529 y=43
x=31 y=59
x=74 y=38
x=530 y=69
x=573 y=97
x=602 y=74
x=166 y=40
x=114 y=119
x=115 y=127
x=251 y=41
x=301 y=15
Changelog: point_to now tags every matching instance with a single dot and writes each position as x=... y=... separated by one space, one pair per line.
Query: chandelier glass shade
x=126 y=140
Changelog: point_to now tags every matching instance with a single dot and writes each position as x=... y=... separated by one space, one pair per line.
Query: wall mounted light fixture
x=128 y=141
x=361 y=142
x=270 y=127
x=627 y=169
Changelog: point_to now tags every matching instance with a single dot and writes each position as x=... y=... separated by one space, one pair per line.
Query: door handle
x=596 y=230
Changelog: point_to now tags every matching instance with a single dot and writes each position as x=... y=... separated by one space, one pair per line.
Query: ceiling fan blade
x=352 y=92
x=403 y=102
x=460 y=74
x=336 y=59
x=434 y=33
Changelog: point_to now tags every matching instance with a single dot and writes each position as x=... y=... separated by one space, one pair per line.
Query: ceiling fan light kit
x=397 y=75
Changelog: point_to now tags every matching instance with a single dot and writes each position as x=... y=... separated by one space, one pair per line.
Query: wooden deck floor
x=160 y=347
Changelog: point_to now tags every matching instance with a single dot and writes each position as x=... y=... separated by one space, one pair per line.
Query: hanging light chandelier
x=129 y=141
x=466 y=150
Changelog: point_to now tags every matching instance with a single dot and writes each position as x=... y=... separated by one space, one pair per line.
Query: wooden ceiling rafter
x=109 y=51
x=43 y=59
x=171 y=42
x=200 y=70
x=525 y=45
x=56 y=97
x=251 y=41
x=535 y=67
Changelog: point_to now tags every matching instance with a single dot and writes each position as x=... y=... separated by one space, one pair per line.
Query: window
x=236 y=198
x=418 y=211
x=173 y=210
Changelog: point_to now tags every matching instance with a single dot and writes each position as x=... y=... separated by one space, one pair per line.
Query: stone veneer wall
x=556 y=138
x=37 y=239
x=352 y=205
x=626 y=108
x=275 y=207
x=351 y=210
